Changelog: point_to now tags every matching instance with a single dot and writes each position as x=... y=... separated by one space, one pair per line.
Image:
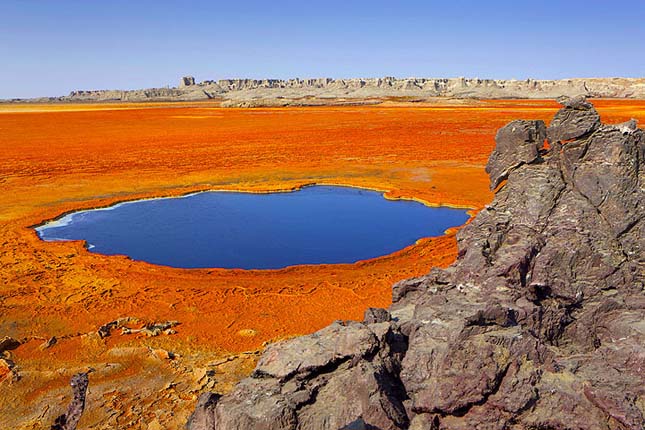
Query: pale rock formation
x=254 y=92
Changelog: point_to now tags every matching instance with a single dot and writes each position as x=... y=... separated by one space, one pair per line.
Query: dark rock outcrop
x=186 y=81
x=540 y=323
x=70 y=419
x=8 y=343
x=518 y=143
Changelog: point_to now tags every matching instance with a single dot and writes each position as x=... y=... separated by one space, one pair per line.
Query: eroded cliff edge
x=540 y=323
x=322 y=91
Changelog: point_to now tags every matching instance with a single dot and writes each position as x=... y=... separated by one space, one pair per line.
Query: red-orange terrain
x=57 y=299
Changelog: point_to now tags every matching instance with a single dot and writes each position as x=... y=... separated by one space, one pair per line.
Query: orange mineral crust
x=54 y=297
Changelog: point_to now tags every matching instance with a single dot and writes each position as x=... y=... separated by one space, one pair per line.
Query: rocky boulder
x=186 y=81
x=540 y=323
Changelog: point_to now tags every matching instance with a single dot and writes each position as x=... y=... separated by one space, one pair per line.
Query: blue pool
x=315 y=225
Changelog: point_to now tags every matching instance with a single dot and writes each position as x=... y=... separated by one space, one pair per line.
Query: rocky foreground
x=323 y=91
x=540 y=323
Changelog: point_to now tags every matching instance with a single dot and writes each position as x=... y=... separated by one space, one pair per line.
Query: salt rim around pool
x=70 y=218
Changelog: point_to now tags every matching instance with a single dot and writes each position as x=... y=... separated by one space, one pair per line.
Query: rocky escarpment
x=540 y=323
x=278 y=92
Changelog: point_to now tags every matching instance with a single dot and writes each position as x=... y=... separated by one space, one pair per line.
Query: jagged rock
x=150 y=329
x=70 y=419
x=186 y=81
x=153 y=329
x=308 y=354
x=297 y=383
x=538 y=324
x=204 y=415
x=48 y=343
x=518 y=143
x=578 y=102
x=8 y=343
x=376 y=315
x=106 y=329
x=8 y=370
x=576 y=119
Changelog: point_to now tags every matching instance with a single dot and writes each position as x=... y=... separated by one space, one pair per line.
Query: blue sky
x=52 y=47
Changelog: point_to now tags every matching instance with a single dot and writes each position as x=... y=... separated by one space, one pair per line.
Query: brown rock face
x=540 y=323
x=518 y=143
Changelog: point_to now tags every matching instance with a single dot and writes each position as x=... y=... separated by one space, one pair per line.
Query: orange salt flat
x=60 y=158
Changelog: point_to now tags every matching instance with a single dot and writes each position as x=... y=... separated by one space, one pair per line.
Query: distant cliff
x=250 y=92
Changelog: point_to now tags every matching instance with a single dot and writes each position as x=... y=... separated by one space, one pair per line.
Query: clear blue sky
x=50 y=47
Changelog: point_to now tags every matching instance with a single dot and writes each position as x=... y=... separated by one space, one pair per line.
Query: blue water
x=316 y=225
